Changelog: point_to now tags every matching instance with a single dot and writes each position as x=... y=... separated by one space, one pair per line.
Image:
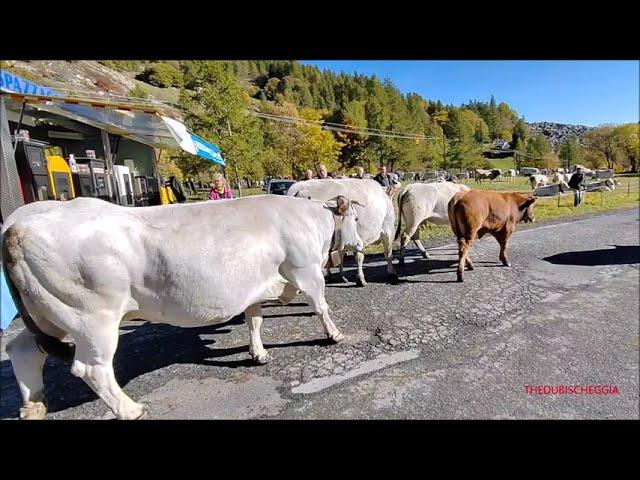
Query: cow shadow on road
x=619 y=255
x=375 y=269
x=143 y=349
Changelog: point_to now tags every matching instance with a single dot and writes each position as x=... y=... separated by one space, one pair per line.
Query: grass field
x=502 y=163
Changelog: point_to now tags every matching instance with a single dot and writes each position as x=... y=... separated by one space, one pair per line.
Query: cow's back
x=377 y=215
x=483 y=211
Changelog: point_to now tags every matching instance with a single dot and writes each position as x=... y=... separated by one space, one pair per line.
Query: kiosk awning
x=145 y=121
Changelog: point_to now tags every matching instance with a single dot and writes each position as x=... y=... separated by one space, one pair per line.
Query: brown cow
x=477 y=212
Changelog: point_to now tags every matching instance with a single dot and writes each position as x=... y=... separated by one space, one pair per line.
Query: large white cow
x=375 y=222
x=79 y=268
x=538 y=180
x=420 y=203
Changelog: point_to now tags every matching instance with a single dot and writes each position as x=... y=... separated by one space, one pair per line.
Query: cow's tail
x=51 y=345
x=400 y=199
x=453 y=219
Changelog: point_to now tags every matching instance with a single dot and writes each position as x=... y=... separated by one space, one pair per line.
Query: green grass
x=502 y=163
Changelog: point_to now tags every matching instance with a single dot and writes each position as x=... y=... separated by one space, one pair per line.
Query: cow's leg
x=387 y=242
x=342 y=277
x=404 y=240
x=253 y=317
x=503 y=239
x=288 y=294
x=28 y=361
x=93 y=362
x=463 y=255
x=309 y=280
x=360 y=281
x=420 y=246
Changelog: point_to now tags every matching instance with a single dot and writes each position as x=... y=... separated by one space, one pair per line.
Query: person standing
x=576 y=183
x=322 y=172
x=219 y=190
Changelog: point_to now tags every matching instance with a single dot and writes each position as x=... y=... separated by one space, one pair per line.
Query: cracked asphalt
x=565 y=313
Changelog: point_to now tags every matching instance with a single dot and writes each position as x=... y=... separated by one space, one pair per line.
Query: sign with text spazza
x=10 y=82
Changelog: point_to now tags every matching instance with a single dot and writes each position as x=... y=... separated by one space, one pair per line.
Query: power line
x=340 y=127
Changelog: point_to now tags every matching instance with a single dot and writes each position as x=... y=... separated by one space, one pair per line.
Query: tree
x=161 y=75
x=626 y=141
x=601 y=143
x=317 y=146
x=571 y=152
x=215 y=108
x=139 y=92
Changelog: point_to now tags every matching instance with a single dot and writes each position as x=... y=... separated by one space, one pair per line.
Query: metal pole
x=15 y=143
x=235 y=164
x=444 y=150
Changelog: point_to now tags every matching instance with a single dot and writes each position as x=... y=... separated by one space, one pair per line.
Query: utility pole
x=444 y=150
x=235 y=164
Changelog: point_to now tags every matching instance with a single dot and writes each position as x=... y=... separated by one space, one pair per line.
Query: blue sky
x=580 y=92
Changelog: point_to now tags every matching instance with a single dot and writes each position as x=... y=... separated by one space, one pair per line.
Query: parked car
x=279 y=186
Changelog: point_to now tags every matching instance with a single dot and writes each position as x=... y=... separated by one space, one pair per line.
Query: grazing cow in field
x=79 y=268
x=607 y=185
x=375 y=222
x=487 y=174
x=511 y=174
x=603 y=174
x=538 y=180
x=478 y=212
x=420 y=203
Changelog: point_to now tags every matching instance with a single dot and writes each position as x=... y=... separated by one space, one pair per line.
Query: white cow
x=375 y=222
x=511 y=175
x=559 y=177
x=538 y=180
x=79 y=268
x=422 y=202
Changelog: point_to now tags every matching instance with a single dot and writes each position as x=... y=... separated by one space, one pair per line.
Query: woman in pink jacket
x=220 y=189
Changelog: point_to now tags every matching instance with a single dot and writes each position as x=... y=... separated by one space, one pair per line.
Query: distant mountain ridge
x=557 y=133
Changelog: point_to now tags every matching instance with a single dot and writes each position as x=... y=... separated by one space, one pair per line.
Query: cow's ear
x=356 y=202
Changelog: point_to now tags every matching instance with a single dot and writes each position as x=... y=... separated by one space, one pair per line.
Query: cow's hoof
x=262 y=358
x=393 y=278
x=506 y=264
x=337 y=337
x=33 y=411
x=360 y=282
x=145 y=412
x=469 y=267
x=460 y=279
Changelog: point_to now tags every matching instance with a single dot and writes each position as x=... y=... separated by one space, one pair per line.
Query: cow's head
x=344 y=208
x=526 y=209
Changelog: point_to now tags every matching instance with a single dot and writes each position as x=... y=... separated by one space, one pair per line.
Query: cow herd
x=77 y=269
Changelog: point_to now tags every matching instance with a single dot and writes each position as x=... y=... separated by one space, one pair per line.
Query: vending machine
x=140 y=192
x=32 y=170
x=124 y=184
x=60 y=178
x=97 y=174
x=153 y=191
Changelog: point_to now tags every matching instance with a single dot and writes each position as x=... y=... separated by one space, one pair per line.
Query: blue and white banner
x=192 y=143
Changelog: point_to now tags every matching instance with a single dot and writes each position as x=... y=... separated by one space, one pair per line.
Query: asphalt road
x=565 y=313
